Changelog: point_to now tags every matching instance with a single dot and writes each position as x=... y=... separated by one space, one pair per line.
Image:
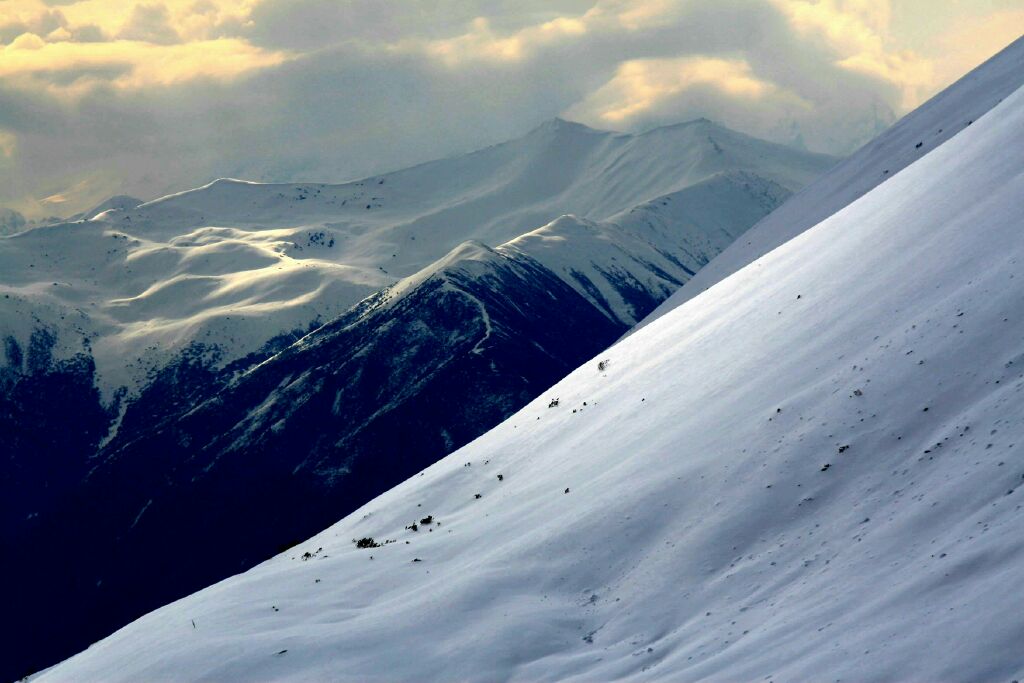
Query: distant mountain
x=11 y=221
x=808 y=471
x=491 y=195
x=234 y=264
x=244 y=354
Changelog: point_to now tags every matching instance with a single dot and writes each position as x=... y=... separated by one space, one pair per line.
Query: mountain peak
x=469 y=250
x=559 y=125
x=701 y=123
x=119 y=202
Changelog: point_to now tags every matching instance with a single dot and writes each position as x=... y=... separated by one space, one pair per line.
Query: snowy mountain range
x=808 y=469
x=269 y=357
x=236 y=263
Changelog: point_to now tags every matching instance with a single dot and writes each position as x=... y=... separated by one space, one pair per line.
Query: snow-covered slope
x=304 y=436
x=135 y=303
x=234 y=264
x=914 y=136
x=809 y=471
x=163 y=331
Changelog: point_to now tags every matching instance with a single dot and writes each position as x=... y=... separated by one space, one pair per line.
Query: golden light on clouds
x=72 y=195
x=480 y=42
x=190 y=19
x=974 y=39
x=162 y=42
x=636 y=16
x=641 y=84
x=911 y=74
x=133 y=63
x=134 y=44
x=858 y=32
x=935 y=43
x=54 y=199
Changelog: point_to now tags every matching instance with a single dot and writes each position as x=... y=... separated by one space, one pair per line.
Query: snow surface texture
x=233 y=264
x=917 y=134
x=809 y=471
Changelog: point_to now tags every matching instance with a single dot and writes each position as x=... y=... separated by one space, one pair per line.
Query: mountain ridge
x=236 y=263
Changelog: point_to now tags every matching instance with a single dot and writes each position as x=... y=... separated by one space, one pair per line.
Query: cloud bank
x=143 y=98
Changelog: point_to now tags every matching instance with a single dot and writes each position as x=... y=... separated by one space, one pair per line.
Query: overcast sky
x=102 y=97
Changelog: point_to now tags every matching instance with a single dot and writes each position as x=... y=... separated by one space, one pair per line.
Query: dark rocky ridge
x=301 y=439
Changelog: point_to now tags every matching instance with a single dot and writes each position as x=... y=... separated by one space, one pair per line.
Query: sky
x=105 y=97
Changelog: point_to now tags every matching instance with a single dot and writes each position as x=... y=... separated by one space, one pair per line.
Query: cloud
x=743 y=62
x=961 y=47
x=38 y=23
x=313 y=24
x=483 y=43
x=149 y=97
x=639 y=86
x=87 y=33
x=858 y=32
x=109 y=71
x=147 y=20
x=26 y=41
x=28 y=57
x=150 y=24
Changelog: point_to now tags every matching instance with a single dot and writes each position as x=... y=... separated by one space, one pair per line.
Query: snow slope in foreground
x=811 y=471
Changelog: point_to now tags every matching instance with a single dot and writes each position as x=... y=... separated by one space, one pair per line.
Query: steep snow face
x=811 y=469
x=234 y=264
x=914 y=136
